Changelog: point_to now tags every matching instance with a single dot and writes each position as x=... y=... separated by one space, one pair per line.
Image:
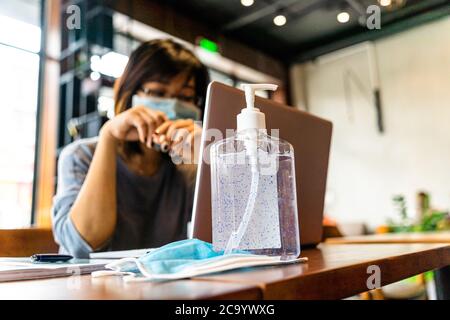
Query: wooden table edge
x=255 y=292
x=251 y=292
x=378 y=239
x=440 y=255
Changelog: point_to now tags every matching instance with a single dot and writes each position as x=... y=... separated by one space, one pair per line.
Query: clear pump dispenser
x=254 y=204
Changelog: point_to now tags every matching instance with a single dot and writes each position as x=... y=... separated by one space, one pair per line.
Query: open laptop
x=309 y=135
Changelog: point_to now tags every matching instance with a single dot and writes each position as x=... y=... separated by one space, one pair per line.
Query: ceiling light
x=385 y=3
x=247 y=3
x=343 y=17
x=280 y=20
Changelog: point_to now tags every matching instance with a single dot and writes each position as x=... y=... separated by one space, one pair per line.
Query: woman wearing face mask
x=117 y=191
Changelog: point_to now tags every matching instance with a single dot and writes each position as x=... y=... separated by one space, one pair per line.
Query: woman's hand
x=135 y=124
x=183 y=137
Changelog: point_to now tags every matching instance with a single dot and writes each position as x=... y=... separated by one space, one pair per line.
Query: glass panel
x=25 y=36
x=19 y=78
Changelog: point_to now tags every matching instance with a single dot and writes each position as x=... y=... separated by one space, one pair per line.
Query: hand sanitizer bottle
x=254 y=203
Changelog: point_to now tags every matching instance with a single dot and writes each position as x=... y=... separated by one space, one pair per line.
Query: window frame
x=39 y=109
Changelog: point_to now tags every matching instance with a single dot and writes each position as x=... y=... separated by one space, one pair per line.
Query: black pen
x=50 y=257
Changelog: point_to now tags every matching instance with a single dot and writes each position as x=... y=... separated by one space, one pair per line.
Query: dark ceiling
x=311 y=29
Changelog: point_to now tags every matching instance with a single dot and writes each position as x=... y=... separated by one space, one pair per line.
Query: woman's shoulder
x=81 y=150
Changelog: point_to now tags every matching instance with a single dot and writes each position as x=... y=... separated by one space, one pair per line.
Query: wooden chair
x=25 y=242
x=330 y=231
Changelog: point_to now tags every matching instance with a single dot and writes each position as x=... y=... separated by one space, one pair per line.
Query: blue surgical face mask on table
x=185 y=259
x=173 y=108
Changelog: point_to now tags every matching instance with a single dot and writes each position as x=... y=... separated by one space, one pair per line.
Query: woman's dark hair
x=158 y=60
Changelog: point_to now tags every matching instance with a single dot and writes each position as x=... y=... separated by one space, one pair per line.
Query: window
x=20 y=38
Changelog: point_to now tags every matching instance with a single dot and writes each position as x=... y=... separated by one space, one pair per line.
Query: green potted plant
x=430 y=219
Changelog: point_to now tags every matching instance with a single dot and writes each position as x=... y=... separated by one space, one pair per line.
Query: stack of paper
x=12 y=269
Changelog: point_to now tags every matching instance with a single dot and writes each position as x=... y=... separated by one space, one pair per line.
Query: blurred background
x=378 y=69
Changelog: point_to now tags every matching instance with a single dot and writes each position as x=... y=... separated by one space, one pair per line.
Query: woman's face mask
x=173 y=108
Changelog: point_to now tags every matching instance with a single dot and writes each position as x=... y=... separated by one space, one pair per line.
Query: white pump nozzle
x=251 y=117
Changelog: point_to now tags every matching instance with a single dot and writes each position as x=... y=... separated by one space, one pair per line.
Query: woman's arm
x=94 y=213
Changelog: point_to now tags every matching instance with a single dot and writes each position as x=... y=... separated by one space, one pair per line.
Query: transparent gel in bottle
x=254 y=205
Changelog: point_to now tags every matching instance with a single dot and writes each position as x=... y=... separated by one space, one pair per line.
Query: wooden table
x=339 y=271
x=113 y=288
x=413 y=237
x=442 y=275
x=333 y=272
